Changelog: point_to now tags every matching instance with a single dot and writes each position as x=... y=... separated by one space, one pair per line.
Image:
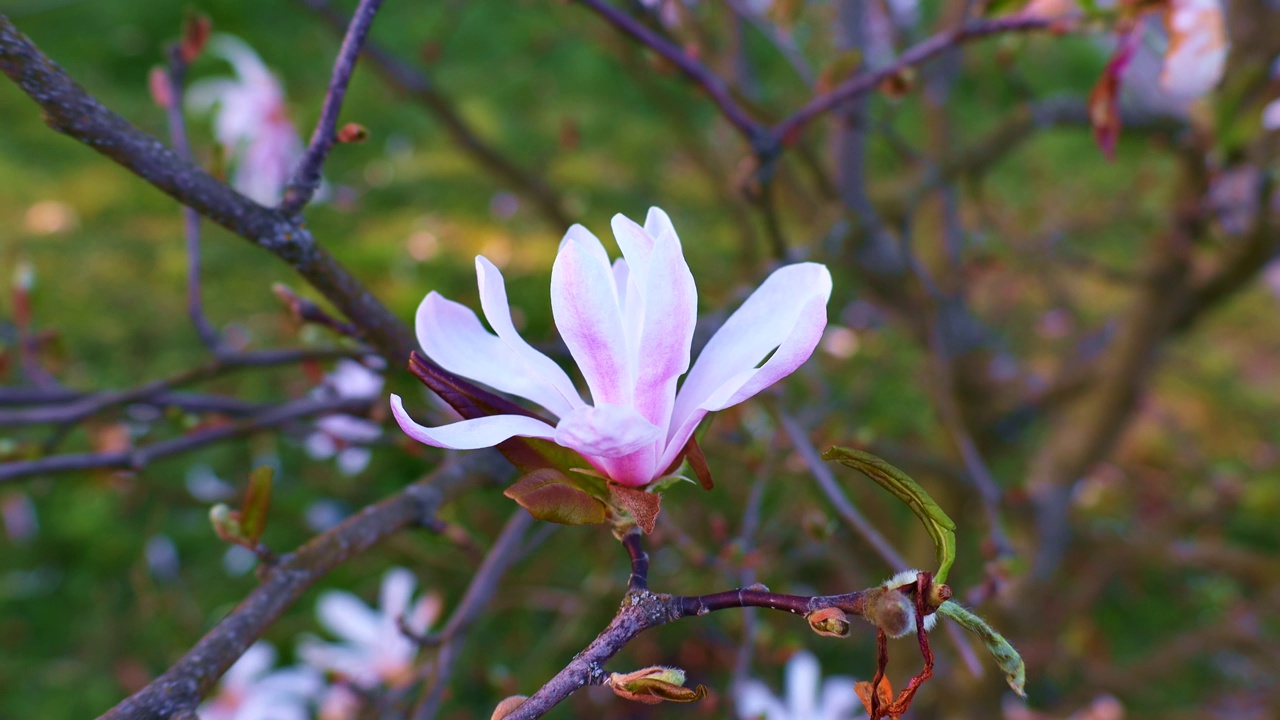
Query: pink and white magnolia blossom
x=252 y=122
x=374 y=652
x=346 y=436
x=629 y=325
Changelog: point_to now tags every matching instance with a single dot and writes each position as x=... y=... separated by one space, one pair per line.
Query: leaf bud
x=654 y=684
x=829 y=622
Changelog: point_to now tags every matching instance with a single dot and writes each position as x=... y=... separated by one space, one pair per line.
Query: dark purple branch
x=70 y=110
x=176 y=71
x=715 y=88
x=135 y=459
x=306 y=178
x=420 y=87
x=643 y=610
x=81 y=406
x=190 y=402
x=634 y=543
x=305 y=311
x=182 y=686
x=787 y=131
x=505 y=551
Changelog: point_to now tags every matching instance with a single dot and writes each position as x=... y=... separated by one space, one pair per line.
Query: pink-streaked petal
x=634 y=470
x=493 y=299
x=346 y=616
x=607 y=431
x=587 y=240
x=585 y=307
x=425 y=612
x=451 y=334
x=635 y=243
x=396 y=592
x=666 y=331
x=480 y=432
x=620 y=275
x=785 y=315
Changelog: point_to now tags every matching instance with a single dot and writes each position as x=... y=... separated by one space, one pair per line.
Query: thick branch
x=180 y=688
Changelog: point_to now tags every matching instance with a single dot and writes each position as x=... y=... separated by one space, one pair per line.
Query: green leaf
x=1015 y=671
x=257 y=502
x=550 y=495
x=940 y=527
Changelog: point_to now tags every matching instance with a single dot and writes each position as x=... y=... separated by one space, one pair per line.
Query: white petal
x=657 y=224
x=346 y=616
x=585 y=306
x=349 y=661
x=493 y=299
x=320 y=446
x=606 y=431
x=803 y=675
x=471 y=434
x=353 y=460
x=587 y=240
x=635 y=243
x=754 y=700
x=839 y=700
x=785 y=315
x=253 y=664
x=397 y=591
x=451 y=334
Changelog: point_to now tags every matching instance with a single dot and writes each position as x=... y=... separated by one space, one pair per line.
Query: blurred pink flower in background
x=373 y=652
x=807 y=696
x=629 y=325
x=250 y=690
x=251 y=121
x=19 y=514
x=345 y=436
x=1197 y=51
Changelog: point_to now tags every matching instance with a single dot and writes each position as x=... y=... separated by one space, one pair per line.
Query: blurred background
x=1079 y=358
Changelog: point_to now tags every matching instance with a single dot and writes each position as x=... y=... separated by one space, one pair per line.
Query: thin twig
x=419 y=86
x=135 y=459
x=182 y=686
x=506 y=549
x=175 y=72
x=633 y=541
x=788 y=131
x=306 y=177
x=737 y=116
x=81 y=406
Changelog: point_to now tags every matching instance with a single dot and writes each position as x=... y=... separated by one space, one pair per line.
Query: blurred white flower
x=1197 y=52
x=373 y=652
x=806 y=697
x=345 y=435
x=252 y=122
x=252 y=691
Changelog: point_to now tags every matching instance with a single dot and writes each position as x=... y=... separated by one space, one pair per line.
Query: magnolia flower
x=806 y=698
x=1197 y=50
x=252 y=122
x=251 y=691
x=375 y=652
x=346 y=435
x=629 y=326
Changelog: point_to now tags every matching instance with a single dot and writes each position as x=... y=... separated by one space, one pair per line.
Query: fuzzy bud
x=829 y=622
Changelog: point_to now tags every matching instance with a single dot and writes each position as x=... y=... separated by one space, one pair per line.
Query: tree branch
x=180 y=688
x=306 y=177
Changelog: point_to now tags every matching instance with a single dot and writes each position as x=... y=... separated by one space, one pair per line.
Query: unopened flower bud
x=158 y=84
x=508 y=706
x=352 y=133
x=829 y=622
x=895 y=613
x=226 y=523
